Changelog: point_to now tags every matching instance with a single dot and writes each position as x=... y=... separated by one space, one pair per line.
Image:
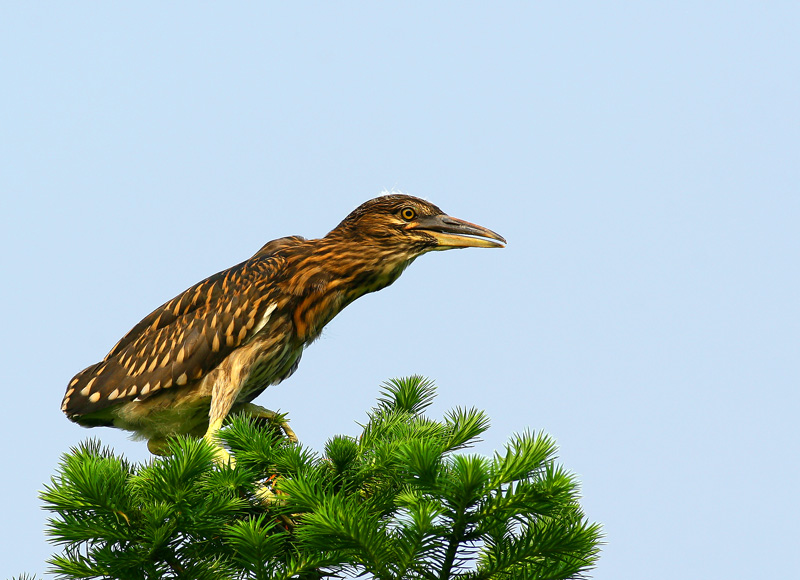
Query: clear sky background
x=642 y=159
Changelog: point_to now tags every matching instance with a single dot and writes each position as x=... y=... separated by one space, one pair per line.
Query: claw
x=221 y=455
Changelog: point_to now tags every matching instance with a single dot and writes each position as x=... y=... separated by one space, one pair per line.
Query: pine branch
x=400 y=501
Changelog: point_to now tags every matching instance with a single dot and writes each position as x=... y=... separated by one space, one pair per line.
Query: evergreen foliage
x=400 y=501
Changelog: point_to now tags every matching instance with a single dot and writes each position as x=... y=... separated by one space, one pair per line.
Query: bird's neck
x=333 y=274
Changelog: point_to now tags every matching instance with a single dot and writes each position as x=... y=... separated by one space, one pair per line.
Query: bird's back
x=182 y=340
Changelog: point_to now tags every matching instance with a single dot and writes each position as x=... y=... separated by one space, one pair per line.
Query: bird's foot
x=222 y=456
x=271 y=417
x=267 y=493
x=269 y=496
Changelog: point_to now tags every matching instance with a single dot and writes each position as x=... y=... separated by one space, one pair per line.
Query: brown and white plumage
x=215 y=347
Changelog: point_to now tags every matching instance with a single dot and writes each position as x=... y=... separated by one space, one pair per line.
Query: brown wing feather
x=270 y=248
x=180 y=341
x=201 y=294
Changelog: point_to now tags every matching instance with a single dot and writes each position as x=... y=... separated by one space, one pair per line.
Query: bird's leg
x=223 y=395
x=221 y=455
x=261 y=414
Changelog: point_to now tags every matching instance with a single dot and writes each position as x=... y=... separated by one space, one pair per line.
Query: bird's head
x=402 y=224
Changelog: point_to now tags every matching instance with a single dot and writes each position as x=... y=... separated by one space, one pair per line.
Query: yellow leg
x=222 y=457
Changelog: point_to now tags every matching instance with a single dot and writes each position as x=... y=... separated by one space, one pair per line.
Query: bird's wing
x=182 y=340
x=198 y=296
x=270 y=248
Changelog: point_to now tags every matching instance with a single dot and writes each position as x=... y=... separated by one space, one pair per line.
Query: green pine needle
x=399 y=501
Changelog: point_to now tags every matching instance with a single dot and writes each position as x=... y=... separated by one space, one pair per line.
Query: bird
x=210 y=351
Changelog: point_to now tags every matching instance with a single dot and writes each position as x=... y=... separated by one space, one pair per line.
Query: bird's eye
x=408 y=214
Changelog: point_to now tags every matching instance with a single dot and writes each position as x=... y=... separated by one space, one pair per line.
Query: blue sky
x=641 y=160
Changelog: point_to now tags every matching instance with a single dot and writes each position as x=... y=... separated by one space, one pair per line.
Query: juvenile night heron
x=212 y=349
